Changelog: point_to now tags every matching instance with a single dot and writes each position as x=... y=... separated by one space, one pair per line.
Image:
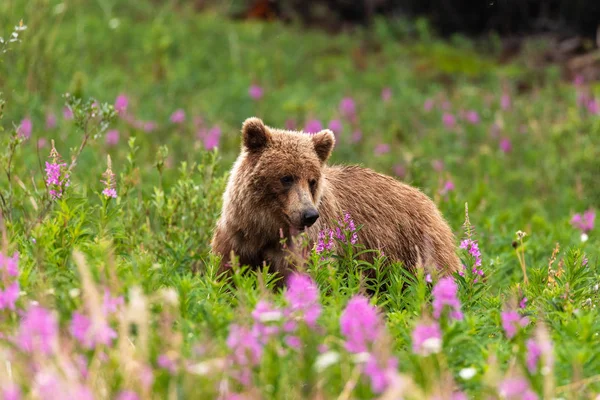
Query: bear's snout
x=309 y=217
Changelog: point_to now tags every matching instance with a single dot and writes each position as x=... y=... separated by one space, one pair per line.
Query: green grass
x=152 y=243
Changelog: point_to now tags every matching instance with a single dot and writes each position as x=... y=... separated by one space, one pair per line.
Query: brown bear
x=280 y=185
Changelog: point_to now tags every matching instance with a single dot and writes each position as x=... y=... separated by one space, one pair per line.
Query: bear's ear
x=323 y=142
x=255 y=135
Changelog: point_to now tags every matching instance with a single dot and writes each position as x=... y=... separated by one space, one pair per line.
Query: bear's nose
x=309 y=217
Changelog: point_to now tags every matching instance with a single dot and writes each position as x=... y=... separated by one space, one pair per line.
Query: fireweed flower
x=382 y=148
x=360 y=324
x=428 y=105
x=210 y=138
x=127 y=395
x=50 y=121
x=313 y=126
x=336 y=126
x=448 y=187
x=511 y=322
x=265 y=315
x=325 y=241
x=505 y=145
x=303 y=298
x=534 y=352
x=505 y=101
x=449 y=120
x=9 y=296
x=25 y=127
x=57 y=174
x=379 y=374
x=11 y=392
x=386 y=94
x=112 y=137
x=472 y=117
x=255 y=92
x=473 y=248
x=67 y=113
x=348 y=107
x=110 y=182
x=427 y=339
x=121 y=103
x=445 y=294
x=178 y=117
x=38 y=331
x=347 y=227
x=585 y=221
x=399 y=170
x=90 y=334
x=9 y=265
x=167 y=362
x=516 y=388
x=246 y=351
x=593 y=107
x=356 y=136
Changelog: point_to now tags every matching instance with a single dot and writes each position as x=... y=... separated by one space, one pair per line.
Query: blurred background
x=494 y=103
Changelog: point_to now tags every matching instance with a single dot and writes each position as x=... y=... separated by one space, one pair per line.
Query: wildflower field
x=119 y=123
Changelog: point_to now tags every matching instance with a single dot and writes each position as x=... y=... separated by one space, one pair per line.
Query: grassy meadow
x=119 y=123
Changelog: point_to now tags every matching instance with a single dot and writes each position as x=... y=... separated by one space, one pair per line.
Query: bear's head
x=284 y=172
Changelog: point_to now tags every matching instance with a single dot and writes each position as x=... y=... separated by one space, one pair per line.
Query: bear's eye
x=313 y=184
x=287 y=180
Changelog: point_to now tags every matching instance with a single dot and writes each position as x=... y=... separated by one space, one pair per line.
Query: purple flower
x=579 y=80
x=386 y=94
x=313 y=126
x=210 y=139
x=445 y=293
x=110 y=193
x=111 y=304
x=90 y=335
x=38 y=331
x=121 y=103
x=303 y=297
x=399 y=170
x=505 y=145
x=112 y=137
x=293 y=341
x=449 y=120
x=584 y=222
x=149 y=126
x=67 y=113
x=178 y=117
x=516 y=388
x=382 y=148
x=534 y=352
x=593 y=107
x=50 y=121
x=245 y=348
x=523 y=302
x=110 y=182
x=325 y=241
x=427 y=339
x=9 y=296
x=255 y=92
x=10 y=264
x=25 y=128
x=263 y=314
x=428 y=105
x=348 y=107
x=380 y=375
x=448 y=187
x=473 y=248
x=505 y=101
x=166 y=362
x=11 y=392
x=41 y=143
x=472 y=117
x=57 y=175
x=360 y=324
x=356 y=136
x=336 y=126
x=127 y=395
x=511 y=321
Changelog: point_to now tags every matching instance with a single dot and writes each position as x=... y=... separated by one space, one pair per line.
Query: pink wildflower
x=293 y=341
x=67 y=113
x=11 y=392
x=448 y=187
x=246 y=350
x=50 y=121
x=313 y=126
x=505 y=101
x=511 y=321
x=303 y=296
x=360 y=324
x=149 y=126
x=380 y=375
x=111 y=304
x=438 y=165
x=593 y=107
x=10 y=264
x=585 y=221
x=90 y=335
x=210 y=138
x=472 y=117
x=256 y=92
x=57 y=175
x=505 y=145
x=127 y=395
x=399 y=171
x=110 y=182
x=348 y=107
x=41 y=143
x=534 y=352
x=356 y=136
x=428 y=105
x=445 y=294
x=325 y=241
x=516 y=388
x=167 y=362
x=25 y=128
x=336 y=126
x=382 y=148
x=523 y=302
x=9 y=296
x=38 y=331
x=178 y=116
x=263 y=314
x=427 y=339
x=112 y=137
x=386 y=94
x=449 y=120
x=121 y=104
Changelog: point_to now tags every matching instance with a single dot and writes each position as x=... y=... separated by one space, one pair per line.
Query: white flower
x=467 y=373
x=74 y=292
x=270 y=316
x=114 y=23
x=584 y=237
x=361 y=357
x=326 y=359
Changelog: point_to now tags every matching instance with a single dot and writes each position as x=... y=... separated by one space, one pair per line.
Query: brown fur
x=258 y=207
